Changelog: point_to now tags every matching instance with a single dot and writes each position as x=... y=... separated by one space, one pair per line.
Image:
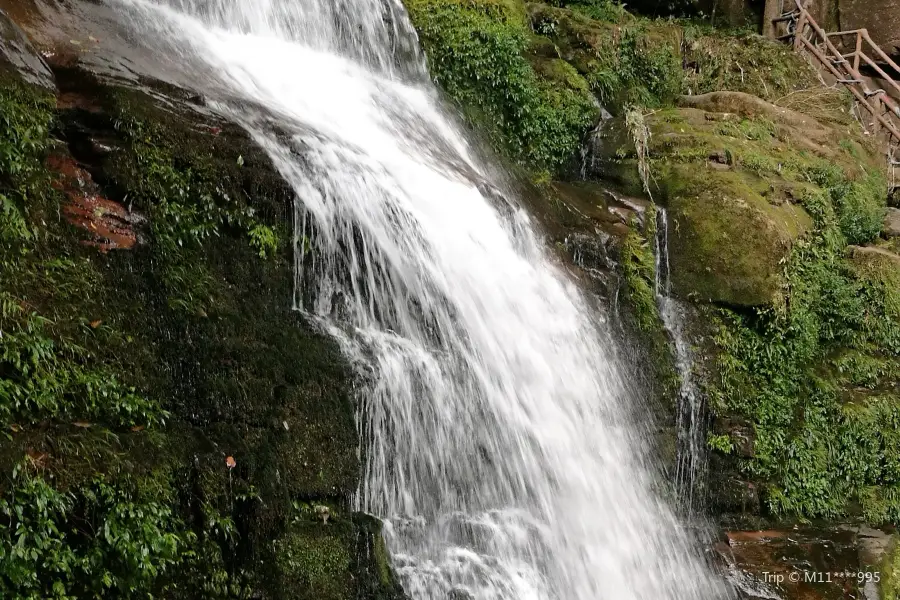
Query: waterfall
x=499 y=446
x=691 y=457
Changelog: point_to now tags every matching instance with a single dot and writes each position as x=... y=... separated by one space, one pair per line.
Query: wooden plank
x=881 y=54
x=853 y=89
x=881 y=72
x=800 y=32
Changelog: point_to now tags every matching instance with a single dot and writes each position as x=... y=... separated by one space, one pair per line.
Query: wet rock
x=880 y=17
x=873 y=545
x=731 y=494
x=892 y=223
x=808 y=563
x=740 y=432
x=17 y=54
x=110 y=225
x=589 y=251
x=725 y=165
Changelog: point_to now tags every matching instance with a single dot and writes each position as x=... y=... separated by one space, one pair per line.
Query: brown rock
x=741 y=433
x=109 y=224
x=880 y=17
x=892 y=223
x=807 y=563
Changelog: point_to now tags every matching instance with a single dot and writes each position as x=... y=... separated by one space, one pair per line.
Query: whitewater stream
x=497 y=439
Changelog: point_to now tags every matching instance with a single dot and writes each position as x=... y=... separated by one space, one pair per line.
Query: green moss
x=636 y=62
x=48 y=368
x=826 y=436
x=24 y=143
x=601 y=10
x=476 y=53
x=728 y=240
x=638 y=269
x=742 y=189
x=890 y=574
x=317 y=561
x=743 y=63
x=127 y=377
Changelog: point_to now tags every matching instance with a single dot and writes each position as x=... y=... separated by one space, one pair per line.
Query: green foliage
x=476 y=54
x=100 y=541
x=188 y=205
x=890 y=574
x=45 y=378
x=639 y=271
x=264 y=239
x=635 y=63
x=803 y=373
x=720 y=443
x=25 y=121
x=601 y=10
x=649 y=74
x=317 y=561
x=744 y=63
x=46 y=373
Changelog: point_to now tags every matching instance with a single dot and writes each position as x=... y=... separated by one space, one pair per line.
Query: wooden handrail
x=883 y=108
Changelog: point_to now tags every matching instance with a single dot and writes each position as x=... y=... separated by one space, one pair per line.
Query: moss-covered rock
x=476 y=51
x=165 y=409
x=740 y=176
x=533 y=76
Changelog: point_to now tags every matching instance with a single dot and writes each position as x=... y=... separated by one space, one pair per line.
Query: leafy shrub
x=108 y=539
x=45 y=377
x=476 y=54
x=601 y=10
x=98 y=542
x=821 y=442
x=25 y=120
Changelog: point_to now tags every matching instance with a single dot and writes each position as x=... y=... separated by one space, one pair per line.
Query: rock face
x=732 y=171
x=830 y=563
x=18 y=55
x=148 y=276
x=892 y=223
x=880 y=17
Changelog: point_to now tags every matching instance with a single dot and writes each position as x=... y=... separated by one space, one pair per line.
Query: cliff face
x=171 y=426
x=880 y=17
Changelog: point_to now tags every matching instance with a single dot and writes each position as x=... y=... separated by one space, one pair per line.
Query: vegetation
x=890 y=575
x=765 y=208
x=533 y=76
x=639 y=270
x=476 y=52
x=47 y=372
x=127 y=377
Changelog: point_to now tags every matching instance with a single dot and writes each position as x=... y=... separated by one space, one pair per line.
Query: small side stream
x=690 y=472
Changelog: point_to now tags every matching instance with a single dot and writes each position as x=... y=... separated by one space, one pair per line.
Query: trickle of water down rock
x=499 y=450
x=690 y=468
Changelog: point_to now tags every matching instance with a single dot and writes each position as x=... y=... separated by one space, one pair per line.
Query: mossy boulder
x=728 y=241
x=535 y=77
x=740 y=178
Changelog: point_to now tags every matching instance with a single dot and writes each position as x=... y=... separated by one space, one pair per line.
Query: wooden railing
x=807 y=35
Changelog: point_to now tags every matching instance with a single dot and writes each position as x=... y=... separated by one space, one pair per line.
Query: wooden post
x=801 y=29
x=859 y=41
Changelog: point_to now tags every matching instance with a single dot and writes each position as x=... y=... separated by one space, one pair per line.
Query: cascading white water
x=498 y=445
x=690 y=469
